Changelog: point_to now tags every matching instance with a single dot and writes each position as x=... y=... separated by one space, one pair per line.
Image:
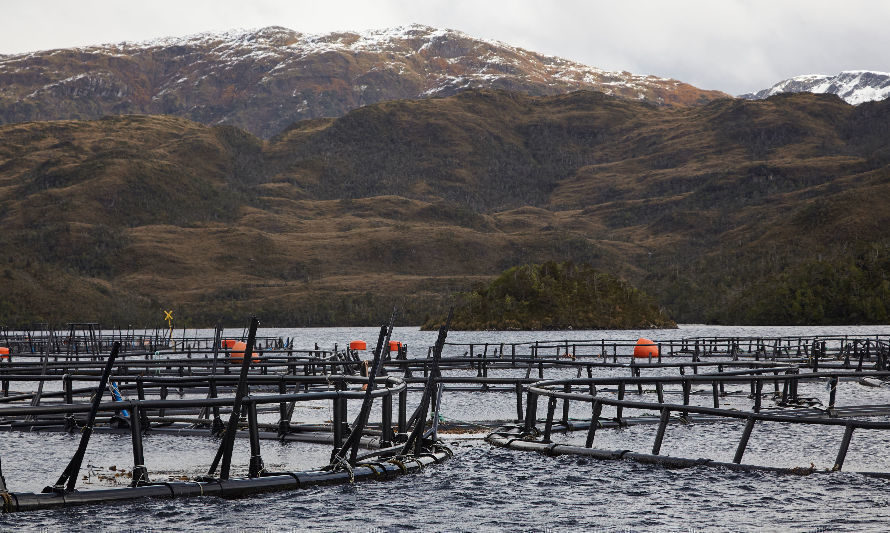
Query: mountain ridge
x=265 y=79
x=853 y=86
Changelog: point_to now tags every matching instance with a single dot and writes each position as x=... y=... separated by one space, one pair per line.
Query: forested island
x=553 y=296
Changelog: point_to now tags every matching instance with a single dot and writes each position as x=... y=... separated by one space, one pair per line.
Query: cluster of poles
x=220 y=404
x=83 y=379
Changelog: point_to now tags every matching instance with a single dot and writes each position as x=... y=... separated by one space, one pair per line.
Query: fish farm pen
x=379 y=405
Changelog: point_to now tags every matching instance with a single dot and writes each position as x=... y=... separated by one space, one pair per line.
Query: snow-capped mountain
x=854 y=86
x=263 y=80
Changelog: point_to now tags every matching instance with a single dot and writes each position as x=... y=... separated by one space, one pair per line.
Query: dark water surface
x=490 y=489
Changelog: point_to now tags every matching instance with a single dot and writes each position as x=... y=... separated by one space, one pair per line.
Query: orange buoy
x=358 y=345
x=237 y=350
x=395 y=346
x=645 y=348
x=4 y=353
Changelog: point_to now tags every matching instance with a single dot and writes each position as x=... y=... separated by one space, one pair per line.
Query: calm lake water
x=490 y=489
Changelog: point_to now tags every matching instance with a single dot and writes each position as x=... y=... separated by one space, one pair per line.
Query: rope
x=372 y=467
x=341 y=462
x=7 y=502
x=400 y=464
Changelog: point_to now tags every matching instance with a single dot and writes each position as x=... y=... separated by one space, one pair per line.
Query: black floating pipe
x=68 y=478
x=232 y=488
x=511 y=440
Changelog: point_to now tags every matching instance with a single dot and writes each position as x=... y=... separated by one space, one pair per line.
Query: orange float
x=237 y=350
x=358 y=345
x=4 y=353
x=645 y=348
x=395 y=346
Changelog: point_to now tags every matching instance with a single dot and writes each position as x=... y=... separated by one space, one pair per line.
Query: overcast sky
x=730 y=45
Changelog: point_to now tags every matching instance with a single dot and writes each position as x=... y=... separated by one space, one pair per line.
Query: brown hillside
x=404 y=202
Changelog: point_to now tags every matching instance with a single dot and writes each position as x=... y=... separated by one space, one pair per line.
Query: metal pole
x=140 y=473
x=228 y=441
x=597 y=409
x=662 y=426
x=845 y=445
x=548 y=426
x=256 y=460
x=743 y=442
x=69 y=476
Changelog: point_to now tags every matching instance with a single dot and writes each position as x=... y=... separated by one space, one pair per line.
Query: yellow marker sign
x=168 y=317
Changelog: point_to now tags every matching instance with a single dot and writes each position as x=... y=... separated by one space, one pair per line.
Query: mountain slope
x=264 y=80
x=404 y=202
x=854 y=87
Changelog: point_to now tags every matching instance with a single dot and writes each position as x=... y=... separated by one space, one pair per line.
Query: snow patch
x=853 y=86
x=414 y=50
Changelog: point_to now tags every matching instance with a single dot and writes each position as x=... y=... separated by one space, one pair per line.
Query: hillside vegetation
x=854 y=289
x=555 y=296
x=407 y=202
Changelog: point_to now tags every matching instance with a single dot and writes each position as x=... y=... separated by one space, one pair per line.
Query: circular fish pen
x=388 y=453
x=790 y=411
x=740 y=404
x=778 y=379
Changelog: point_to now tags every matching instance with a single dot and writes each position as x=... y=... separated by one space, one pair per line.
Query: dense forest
x=555 y=296
x=853 y=289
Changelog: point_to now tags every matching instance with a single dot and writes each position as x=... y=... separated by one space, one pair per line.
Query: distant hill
x=335 y=220
x=854 y=86
x=554 y=296
x=263 y=80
